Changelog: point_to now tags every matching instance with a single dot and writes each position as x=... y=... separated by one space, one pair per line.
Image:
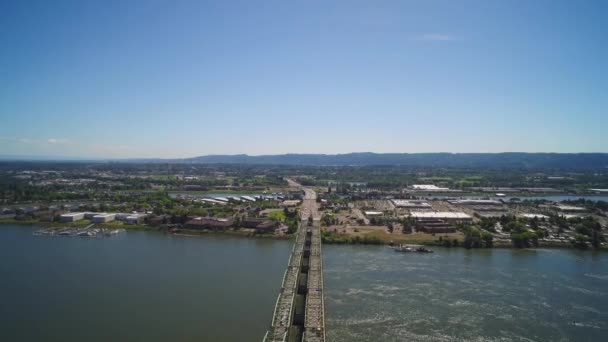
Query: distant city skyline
x=164 y=79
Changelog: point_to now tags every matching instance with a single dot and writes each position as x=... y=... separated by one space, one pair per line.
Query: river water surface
x=138 y=286
x=145 y=286
x=375 y=294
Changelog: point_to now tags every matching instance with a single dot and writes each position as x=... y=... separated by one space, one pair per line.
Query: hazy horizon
x=12 y=157
x=156 y=79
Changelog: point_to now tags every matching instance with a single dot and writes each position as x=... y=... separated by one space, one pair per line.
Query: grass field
x=381 y=234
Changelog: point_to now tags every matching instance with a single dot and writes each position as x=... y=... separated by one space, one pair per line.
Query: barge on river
x=411 y=249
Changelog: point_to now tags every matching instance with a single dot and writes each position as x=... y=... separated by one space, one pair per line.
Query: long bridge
x=299 y=313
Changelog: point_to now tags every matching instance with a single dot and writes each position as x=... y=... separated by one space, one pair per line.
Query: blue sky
x=185 y=78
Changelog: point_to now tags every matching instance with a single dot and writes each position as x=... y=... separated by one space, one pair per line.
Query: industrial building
x=538 y=190
x=491 y=214
x=569 y=208
x=89 y=215
x=428 y=187
x=411 y=204
x=71 y=217
x=209 y=223
x=290 y=203
x=450 y=216
x=135 y=218
x=482 y=207
x=8 y=211
x=476 y=202
x=531 y=216
x=103 y=218
x=494 y=189
x=122 y=216
x=435 y=226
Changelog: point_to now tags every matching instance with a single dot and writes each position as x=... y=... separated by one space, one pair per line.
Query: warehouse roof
x=427 y=187
x=440 y=214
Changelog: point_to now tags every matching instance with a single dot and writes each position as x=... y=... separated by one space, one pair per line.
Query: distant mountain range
x=507 y=160
x=511 y=160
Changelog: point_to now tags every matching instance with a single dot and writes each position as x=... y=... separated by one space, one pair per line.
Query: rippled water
x=138 y=286
x=143 y=286
x=375 y=294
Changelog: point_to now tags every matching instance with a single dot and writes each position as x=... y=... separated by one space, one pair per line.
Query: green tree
x=580 y=241
x=472 y=237
x=488 y=239
x=521 y=236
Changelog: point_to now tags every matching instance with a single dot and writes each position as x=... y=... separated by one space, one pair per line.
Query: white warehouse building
x=412 y=204
x=441 y=215
x=135 y=218
x=102 y=218
x=71 y=217
x=428 y=187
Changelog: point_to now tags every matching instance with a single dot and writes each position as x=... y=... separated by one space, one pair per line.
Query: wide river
x=375 y=294
x=144 y=286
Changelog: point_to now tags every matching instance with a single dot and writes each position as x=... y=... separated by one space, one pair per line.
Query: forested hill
x=572 y=161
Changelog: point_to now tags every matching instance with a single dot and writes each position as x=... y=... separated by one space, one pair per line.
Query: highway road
x=309 y=204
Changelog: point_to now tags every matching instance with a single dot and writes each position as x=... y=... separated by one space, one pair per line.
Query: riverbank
x=381 y=237
x=76 y=225
x=246 y=233
x=374 y=237
x=362 y=236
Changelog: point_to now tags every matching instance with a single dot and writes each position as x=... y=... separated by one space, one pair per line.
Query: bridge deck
x=310 y=327
x=314 y=318
x=283 y=312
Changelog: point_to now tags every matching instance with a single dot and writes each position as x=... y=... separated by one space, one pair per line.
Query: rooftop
x=409 y=203
x=440 y=214
x=428 y=187
x=104 y=215
x=564 y=207
x=71 y=214
x=476 y=201
x=528 y=215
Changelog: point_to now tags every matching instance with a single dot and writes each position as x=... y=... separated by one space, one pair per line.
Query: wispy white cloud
x=55 y=141
x=434 y=37
x=49 y=141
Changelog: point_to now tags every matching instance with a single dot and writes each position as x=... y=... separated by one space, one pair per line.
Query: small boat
x=403 y=249
x=411 y=249
x=113 y=232
x=45 y=232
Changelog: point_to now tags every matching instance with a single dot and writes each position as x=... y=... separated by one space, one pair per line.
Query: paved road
x=309 y=204
x=360 y=216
